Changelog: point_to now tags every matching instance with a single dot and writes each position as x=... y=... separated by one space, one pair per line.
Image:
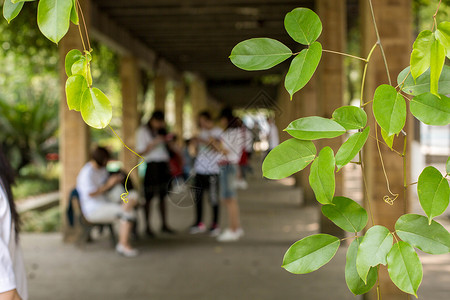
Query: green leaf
x=350 y=117
x=437 y=59
x=11 y=10
x=312 y=128
x=354 y=282
x=388 y=139
x=420 y=56
x=74 y=13
x=76 y=85
x=405 y=268
x=373 y=249
x=303 y=25
x=96 y=108
x=430 y=109
x=53 y=18
x=72 y=56
x=422 y=83
x=321 y=176
x=351 y=147
x=287 y=158
x=346 y=213
x=433 y=191
x=443 y=36
x=302 y=68
x=79 y=67
x=430 y=238
x=389 y=109
x=259 y=54
x=310 y=253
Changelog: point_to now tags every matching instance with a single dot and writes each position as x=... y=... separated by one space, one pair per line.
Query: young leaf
x=373 y=249
x=346 y=214
x=76 y=85
x=303 y=25
x=302 y=68
x=437 y=59
x=350 y=117
x=422 y=83
x=447 y=166
x=72 y=56
x=310 y=253
x=53 y=18
x=313 y=128
x=74 y=13
x=354 y=282
x=11 y=10
x=420 y=56
x=433 y=191
x=287 y=158
x=443 y=36
x=96 y=108
x=430 y=238
x=405 y=268
x=321 y=176
x=388 y=139
x=259 y=54
x=351 y=147
x=430 y=109
x=389 y=109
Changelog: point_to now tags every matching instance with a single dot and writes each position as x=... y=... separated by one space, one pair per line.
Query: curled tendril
x=389 y=200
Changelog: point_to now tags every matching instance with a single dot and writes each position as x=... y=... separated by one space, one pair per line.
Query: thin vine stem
x=84 y=26
x=405 y=186
x=363 y=81
x=344 y=54
x=365 y=189
x=379 y=42
x=383 y=143
x=435 y=14
x=124 y=196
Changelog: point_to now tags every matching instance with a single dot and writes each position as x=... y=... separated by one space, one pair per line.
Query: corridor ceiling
x=198 y=36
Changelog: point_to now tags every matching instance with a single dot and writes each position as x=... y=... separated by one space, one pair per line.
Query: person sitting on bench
x=100 y=199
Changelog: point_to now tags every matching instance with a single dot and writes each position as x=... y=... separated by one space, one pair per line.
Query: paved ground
x=197 y=267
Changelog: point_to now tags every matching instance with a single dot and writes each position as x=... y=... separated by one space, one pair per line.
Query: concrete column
x=130 y=81
x=199 y=97
x=331 y=80
x=160 y=92
x=394 y=21
x=180 y=93
x=74 y=133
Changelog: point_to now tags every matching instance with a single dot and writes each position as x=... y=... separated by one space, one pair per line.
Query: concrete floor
x=183 y=266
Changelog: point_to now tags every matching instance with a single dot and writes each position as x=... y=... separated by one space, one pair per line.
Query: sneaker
x=214 y=231
x=241 y=184
x=125 y=251
x=167 y=230
x=199 y=228
x=230 y=236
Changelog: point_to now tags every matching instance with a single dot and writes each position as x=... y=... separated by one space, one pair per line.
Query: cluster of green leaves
x=53 y=18
x=428 y=84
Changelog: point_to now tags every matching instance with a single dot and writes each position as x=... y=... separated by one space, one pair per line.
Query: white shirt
x=12 y=268
x=89 y=180
x=207 y=159
x=157 y=154
x=273 y=136
x=234 y=142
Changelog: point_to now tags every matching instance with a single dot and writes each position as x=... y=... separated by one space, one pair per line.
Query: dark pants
x=210 y=183
x=156 y=181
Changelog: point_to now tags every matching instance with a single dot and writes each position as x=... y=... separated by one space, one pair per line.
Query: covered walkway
x=188 y=267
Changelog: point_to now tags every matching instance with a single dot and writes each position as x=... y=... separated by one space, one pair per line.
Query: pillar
x=160 y=92
x=180 y=93
x=394 y=21
x=74 y=133
x=199 y=96
x=130 y=80
x=331 y=80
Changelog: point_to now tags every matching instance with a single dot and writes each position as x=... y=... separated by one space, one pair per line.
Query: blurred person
x=230 y=146
x=272 y=135
x=207 y=171
x=247 y=150
x=188 y=157
x=13 y=281
x=100 y=201
x=152 y=143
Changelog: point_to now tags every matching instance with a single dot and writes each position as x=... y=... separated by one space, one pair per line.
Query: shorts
x=227 y=181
